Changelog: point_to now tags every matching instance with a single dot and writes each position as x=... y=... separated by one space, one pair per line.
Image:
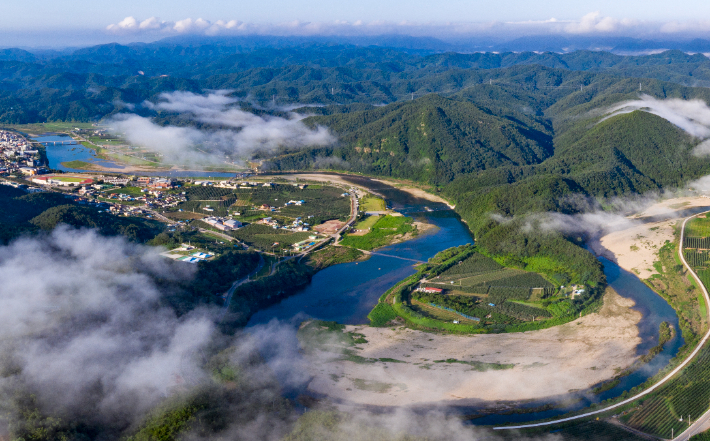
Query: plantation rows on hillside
x=501 y=308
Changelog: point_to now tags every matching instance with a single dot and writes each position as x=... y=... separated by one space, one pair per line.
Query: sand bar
x=549 y=362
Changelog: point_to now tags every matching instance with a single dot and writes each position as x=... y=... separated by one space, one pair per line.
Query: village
x=272 y=217
x=17 y=154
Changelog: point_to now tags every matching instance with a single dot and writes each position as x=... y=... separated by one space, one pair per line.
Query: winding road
x=695 y=427
x=236 y=285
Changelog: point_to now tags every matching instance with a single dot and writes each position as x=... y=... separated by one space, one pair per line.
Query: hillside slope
x=432 y=139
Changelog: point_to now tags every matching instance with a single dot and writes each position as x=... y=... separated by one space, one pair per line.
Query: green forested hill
x=630 y=153
x=435 y=139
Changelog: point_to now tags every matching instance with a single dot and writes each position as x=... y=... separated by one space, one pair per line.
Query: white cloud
x=243 y=134
x=592 y=23
x=692 y=116
x=127 y=24
x=150 y=23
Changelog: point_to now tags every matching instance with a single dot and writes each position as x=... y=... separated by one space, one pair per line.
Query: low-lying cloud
x=84 y=326
x=240 y=134
x=692 y=116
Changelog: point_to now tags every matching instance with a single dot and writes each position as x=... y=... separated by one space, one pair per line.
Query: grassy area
x=674 y=285
x=68 y=179
x=698 y=227
x=386 y=230
x=132 y=191
x=367 y=223
x=80 y=165
x=334 y=255
x=39 y=128
x=372 y=203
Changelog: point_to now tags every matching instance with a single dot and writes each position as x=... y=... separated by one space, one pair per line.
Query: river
x=59 y=153
x=347 y=292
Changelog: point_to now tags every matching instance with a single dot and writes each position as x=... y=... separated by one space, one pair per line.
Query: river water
x=58 y=153
x=347 y=292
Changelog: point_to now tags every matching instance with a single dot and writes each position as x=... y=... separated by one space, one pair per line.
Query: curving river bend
x=347 y=292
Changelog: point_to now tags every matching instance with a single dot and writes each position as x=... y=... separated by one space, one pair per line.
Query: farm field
x=266 y=238
x=372 y=203
x=321 y=204
x=574 y=355
x=698 y=227
x=40 y=128
x=367 y=223
x=475 y=287
x=687 y=394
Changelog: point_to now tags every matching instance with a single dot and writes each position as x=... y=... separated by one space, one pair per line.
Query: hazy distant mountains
x=216 y=46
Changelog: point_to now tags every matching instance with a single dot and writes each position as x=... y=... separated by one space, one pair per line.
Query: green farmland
x=478 y=295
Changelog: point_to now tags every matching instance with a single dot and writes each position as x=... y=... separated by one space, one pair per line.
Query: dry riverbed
x=502 y=367
x=634 y=246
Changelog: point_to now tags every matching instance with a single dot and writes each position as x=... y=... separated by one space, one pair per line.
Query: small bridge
x=394 y=257
x=59 y=142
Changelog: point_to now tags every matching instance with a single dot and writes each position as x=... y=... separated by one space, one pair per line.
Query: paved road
x=236 y=285
x=353 y=215
x=660 y=383
x=218 y=234
x=159 y=216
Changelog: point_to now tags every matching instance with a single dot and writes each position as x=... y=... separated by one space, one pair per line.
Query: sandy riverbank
x=635 y=246
x=548 y=362
x=334 y=178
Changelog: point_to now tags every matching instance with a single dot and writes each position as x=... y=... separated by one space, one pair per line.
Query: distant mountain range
x=408 y=44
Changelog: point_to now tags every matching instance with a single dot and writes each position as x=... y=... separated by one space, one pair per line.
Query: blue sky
x=89 y=19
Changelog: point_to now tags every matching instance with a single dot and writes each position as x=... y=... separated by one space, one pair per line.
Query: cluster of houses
x=222 y=223
x=296 y=225
x=17 y=154
x=150 y=182
x=576 y=290
x=151 y=198
x=235 y=184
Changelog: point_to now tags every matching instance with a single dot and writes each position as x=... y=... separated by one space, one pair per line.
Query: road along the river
x=686 y=435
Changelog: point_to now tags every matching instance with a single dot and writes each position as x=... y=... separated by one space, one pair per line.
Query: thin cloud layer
x=244 y=133
x=692 y=116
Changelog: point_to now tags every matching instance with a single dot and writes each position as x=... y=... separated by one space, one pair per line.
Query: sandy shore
x=635 y=247
x=418 y=192
x=414 y=191
x=549 y=362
